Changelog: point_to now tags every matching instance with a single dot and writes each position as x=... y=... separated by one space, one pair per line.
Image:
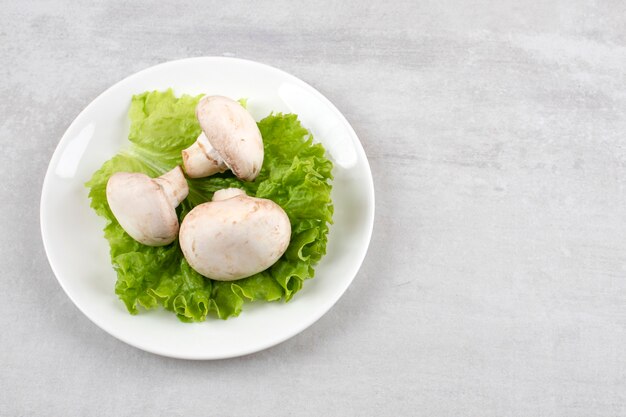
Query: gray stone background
x=495 y=283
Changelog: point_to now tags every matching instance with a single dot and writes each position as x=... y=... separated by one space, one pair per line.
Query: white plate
x=78 y=253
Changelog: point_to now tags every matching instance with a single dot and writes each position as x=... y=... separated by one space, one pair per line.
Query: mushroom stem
x=227 y=193
x=202 y=160
x=174 y=186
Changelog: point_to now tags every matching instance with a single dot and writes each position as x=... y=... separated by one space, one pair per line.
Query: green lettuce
x=295 y=174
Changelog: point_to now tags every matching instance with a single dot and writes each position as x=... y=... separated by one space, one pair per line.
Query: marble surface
x=495 y=284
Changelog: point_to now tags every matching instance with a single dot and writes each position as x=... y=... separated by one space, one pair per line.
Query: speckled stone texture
x=495 y=284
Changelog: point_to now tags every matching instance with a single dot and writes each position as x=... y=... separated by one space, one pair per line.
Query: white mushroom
x=234 y=236
x=230 y=139
x=146 y=207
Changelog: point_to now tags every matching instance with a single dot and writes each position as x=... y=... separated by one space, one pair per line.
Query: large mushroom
x=234 y=236
x=146 y=207
x=230 y=139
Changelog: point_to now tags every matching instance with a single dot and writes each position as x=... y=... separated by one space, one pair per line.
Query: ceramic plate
x=78 y=253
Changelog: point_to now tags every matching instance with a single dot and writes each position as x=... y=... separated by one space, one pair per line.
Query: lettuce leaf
x=296 y=174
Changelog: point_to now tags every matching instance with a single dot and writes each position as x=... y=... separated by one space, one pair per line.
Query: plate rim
x=254 y=348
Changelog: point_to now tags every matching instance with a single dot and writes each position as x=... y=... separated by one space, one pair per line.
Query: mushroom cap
x=233 y=133
x=236 y=237
x=145 y=207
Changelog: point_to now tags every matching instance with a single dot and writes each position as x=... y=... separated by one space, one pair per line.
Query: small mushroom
x=230 y=139
x=234 y=235
x=146 y=207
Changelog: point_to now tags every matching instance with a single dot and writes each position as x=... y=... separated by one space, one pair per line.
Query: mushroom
x=234 y=236
x=146 y=207
x=230 y=139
